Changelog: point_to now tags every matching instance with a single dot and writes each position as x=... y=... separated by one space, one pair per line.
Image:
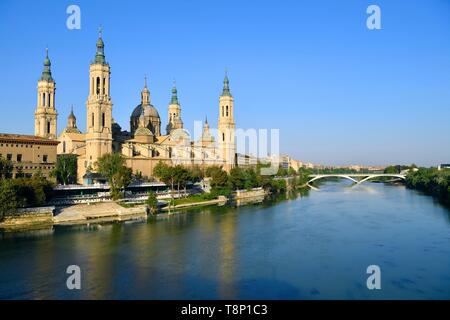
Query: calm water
x=313 y=247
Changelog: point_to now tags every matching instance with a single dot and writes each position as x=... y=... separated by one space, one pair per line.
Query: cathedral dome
x=149 y=111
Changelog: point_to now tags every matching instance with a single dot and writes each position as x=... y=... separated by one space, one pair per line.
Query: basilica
x=145 y=144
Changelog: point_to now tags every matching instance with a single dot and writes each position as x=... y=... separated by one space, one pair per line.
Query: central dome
x=151 y=119
x=149 y=111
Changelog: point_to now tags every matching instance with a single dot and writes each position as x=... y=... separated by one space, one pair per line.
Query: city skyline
x=358 y=102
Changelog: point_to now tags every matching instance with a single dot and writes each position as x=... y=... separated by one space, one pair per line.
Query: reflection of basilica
x=144 y=145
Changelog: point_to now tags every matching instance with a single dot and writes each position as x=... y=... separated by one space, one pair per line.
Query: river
x=313 y=247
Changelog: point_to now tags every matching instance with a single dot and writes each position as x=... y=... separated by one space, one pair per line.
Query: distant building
x=244 y=160
x=28 y=154
x=444 y=166
x=295 y=164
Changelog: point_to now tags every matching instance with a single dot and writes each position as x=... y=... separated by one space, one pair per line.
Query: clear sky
x=339 y=92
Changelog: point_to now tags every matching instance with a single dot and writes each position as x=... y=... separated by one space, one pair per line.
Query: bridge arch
x=352 y=177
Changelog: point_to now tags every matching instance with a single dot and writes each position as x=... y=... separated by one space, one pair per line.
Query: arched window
x=43 y=99
x=227 y=111
x=223 y=136
x=104 y=85
x=103 y=119
x=92 y=119
x=48 y=127
x=98 y=85
x=222 y=111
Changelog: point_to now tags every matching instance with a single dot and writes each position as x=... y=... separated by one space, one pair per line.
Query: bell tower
x=45 y=114
x=226 y=126
x=174 y=112
x=99 y=107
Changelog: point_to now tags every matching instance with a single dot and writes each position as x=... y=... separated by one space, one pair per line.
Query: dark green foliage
x=431 y=181
x=65 y=170
x=6 y=168
x=23 y=192
x=113 y=167
x=152 y=202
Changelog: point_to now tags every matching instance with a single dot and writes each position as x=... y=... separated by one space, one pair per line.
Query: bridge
x=357 y=178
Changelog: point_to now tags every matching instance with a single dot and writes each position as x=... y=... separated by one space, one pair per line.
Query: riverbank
x=110 y=211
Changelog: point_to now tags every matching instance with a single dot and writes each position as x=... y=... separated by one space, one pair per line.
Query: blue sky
x=338 y=92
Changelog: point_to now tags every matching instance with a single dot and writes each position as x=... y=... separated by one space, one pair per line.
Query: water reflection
x=305 y=245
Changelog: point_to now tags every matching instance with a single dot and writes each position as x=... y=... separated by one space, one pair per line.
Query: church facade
x=145 y=144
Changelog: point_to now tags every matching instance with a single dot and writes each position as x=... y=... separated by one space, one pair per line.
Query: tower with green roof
x=99 y=106
x=45 y=115
x=174 y=112
x=226 y=126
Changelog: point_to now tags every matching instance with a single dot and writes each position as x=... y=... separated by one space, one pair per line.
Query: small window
x=104 y=85
x=92 y=120
x=48 y=127
x=98 y=85
x=103 y=119
x=19 y=158
x=227 y=111
x=223 y=136
x=9 y=156
x=44 y=158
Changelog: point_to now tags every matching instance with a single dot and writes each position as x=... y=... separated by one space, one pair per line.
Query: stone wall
x=253 y=193
x=40 y=215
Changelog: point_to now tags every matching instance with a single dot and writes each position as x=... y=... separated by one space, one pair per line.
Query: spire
x=226 y=85
x=47 y=73
x=71 y=115
x=206 y=119
x=71 y=123
x=145 y=94
x=100 y=54
x=174 y=99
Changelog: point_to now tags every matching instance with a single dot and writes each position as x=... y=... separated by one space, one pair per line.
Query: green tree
x=237 y=178
x=65 y=170
x=113 y=167
x=165 y=173
x=6 y=169
x=391 y=170
x=152 y=202
x=181 y=177
x=282 y=172
x=8 y=201
x=219 y=179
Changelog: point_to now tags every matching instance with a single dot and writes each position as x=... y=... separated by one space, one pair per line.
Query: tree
x=219 y=179
x=113 y=167
x=65 y=170
x=237 y=178
x=282 y=172
x=165 y=174
x=8 y=202
x=181 y=176
x=152 y=202
x=391 y=170
x=6 y=169
x=196 y=174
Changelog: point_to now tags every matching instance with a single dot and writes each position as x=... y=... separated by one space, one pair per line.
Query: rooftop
x=26 y=138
